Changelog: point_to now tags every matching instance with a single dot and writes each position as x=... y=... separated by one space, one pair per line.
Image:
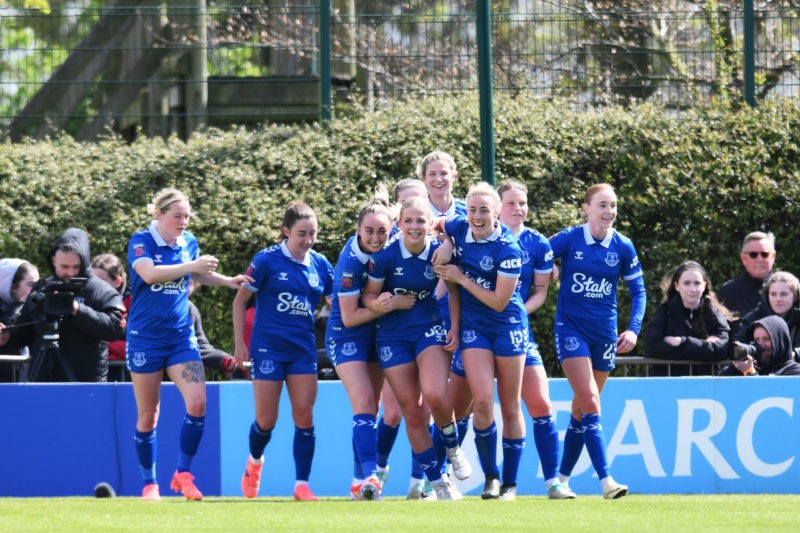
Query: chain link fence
x=160 y=67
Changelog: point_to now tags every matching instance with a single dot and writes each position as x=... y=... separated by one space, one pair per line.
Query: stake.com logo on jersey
x=586 y=285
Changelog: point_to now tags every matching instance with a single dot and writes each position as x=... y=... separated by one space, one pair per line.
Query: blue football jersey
x=457 y=209
x=287 y=293
x=590 y=273
x=483 y=261
x=160 y=312
x=405 y=273
x=537 y=258
x=349 y=279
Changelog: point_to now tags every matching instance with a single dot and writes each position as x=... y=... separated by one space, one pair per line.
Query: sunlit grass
x=634 y=513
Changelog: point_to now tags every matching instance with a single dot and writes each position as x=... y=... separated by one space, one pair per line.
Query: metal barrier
x=646 y=363
x=16 y=361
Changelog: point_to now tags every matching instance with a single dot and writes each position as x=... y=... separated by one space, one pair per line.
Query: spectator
x=110 y=269
x=17 y=278
x=742 y=294
x=779 y=296
x=768 y=352
x=214 y=359
x=85 y=323
x=690 y=324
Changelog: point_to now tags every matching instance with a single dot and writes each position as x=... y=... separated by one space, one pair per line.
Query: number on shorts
x=610 y=351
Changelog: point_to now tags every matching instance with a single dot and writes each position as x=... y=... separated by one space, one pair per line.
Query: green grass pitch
x=673 y=513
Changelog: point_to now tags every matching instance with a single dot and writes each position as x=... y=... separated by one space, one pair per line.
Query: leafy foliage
x=690 y=185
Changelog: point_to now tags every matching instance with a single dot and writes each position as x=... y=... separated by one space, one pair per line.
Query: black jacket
x=672 y=319
x=763 y=310
x=781 y=362
x=83 y=338
x=740 y=295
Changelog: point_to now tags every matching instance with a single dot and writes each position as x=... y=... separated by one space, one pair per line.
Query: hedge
x=690 y=184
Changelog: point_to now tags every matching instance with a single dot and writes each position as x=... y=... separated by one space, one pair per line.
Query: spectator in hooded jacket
x=771 y=351
x=690 y=324
x=17 y=278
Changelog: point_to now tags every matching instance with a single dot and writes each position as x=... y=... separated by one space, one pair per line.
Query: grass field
x=673 y=513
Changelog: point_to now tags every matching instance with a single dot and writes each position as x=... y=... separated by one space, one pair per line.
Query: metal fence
x=166 y=66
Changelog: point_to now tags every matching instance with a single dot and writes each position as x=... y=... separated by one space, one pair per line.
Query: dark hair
x=709 y=299
x=113 y=266
x=295 y=212
x=509 y=185
x=23 y=270
x=374 y=208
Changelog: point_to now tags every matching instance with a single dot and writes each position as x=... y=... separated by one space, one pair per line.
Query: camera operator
x=92 y=316
x=767 y=351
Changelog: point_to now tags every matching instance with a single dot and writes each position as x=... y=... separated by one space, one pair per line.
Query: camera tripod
x=49 y=351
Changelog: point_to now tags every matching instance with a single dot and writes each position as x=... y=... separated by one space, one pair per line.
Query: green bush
x=690 y=185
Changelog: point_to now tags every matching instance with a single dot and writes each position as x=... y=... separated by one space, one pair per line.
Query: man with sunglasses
x=743 y=293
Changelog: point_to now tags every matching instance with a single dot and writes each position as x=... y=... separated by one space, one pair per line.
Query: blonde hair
x=416 y=201
x=782 y=277
x=444 y=157
x=406 y=184
x=165 y=198
x=484 y=189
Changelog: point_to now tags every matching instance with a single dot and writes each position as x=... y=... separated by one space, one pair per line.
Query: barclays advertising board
x=664 y=435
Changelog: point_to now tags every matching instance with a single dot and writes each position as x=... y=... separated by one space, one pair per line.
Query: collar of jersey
x=180 y=241
x=493 y=237
x=356 y=251
x=306 y=260
x=587 y=235
x=451 y=211
x=423 y=255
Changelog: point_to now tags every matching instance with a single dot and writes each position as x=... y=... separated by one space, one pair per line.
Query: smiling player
x=289 y=280
x=593 y=258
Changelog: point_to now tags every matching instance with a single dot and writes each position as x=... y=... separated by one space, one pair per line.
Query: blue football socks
x=386 y=436
x=429 y=464
x=573 y=446
x=486 y=443
x=545 y=436
x=191 y=433
x=259 y=438
x=595 y=443
x=304 y=443
x=512 y=454
x=364 y=440
x=145 y=443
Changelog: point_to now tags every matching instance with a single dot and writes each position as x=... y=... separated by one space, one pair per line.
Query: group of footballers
x=430 y=303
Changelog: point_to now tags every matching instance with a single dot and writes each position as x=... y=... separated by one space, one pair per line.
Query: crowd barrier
x=665 y=435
